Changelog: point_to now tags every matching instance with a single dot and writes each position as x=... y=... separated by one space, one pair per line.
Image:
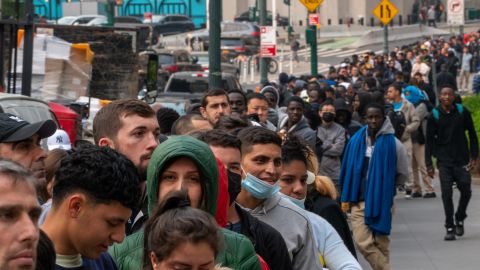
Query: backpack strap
x=436 y=114
x=459 y=108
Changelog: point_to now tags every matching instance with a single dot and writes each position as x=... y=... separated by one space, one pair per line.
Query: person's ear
x=75 y=204
x=203 y=112
x=106 y=142
x=153 y=260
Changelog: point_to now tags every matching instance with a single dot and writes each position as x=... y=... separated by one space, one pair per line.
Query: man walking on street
x=374 y=163
x=431 y=16
x=446 y=141
x=404 y=111
x=294 y=47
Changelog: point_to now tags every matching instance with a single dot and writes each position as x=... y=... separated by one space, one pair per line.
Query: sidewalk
x=417 y=236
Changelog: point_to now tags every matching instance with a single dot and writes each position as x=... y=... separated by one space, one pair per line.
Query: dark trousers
x=449 y=175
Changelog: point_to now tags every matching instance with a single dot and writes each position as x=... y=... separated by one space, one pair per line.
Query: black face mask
x=328 y=117
x=234 y=185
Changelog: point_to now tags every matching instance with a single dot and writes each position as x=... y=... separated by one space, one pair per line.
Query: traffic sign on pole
x=268 y=41
x=455 y=12
x=385 y=11
x=313 y=19
x=311 y=5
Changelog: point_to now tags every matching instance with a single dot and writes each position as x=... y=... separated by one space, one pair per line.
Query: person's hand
x=472 y=163
x=431 y=172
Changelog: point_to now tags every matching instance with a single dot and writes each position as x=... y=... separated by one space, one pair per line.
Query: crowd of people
x=257 y=180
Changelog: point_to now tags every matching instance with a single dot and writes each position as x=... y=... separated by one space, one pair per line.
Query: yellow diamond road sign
x=311 y=5
x=385 y=11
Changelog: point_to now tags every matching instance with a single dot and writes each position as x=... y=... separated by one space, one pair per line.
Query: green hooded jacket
x=238 y=251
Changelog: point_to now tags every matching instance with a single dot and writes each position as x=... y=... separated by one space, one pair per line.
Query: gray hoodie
x=293 y=224
x=301 y=129
x=333 y=138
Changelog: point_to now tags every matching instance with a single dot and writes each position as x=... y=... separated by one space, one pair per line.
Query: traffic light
x=286 y=2
x=119 y=2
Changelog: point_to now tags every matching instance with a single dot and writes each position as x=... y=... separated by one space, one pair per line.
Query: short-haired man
x=374 y=156
x=20 y=142
x=94 y=193
x=269 y=242
x=214 y=105
x=19 y=213
x=238 y=102
x=456 y=156
x=295 y=123
x=332 y=138
x=257 y=104
x=130 y=127
x=262 y=163
x=406 y=110
x=189 y=123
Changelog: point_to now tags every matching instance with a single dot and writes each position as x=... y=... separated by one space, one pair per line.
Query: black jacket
x=268 y=242
x=446 y=138
x=331 y=212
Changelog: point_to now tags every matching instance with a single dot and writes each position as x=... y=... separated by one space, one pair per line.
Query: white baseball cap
x=59 y=140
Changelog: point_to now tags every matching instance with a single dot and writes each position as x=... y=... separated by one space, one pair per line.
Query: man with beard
x=130 y=127
x=20 y=142
x=19 y=215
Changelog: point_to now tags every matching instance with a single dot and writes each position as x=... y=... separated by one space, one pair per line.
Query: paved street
x=417 y=236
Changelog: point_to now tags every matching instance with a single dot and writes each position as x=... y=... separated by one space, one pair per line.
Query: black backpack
x=399 y=122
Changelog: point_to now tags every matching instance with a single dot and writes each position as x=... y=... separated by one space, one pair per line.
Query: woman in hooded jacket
x=183 y=162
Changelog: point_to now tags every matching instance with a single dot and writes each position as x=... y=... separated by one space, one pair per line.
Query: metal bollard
x=291 y=63
x=252 y=70
x=244 y=71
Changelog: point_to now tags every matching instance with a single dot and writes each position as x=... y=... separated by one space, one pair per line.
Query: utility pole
x=262 y=7
x=27 y=49
x=311 y=36
x=385 y=39
x=215 y=15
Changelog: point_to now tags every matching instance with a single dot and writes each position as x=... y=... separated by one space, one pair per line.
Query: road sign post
x=311 y=33
x=262 y=7
x=385 y=12
x=455 y=14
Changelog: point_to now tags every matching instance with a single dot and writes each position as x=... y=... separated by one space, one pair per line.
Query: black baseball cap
x=15 y=129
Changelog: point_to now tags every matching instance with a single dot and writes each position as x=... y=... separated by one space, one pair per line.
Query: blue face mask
x=297 y=202
x=258 y=188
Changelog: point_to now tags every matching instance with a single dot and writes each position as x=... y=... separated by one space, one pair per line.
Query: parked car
x=170 y=24
x=186 y=88
x=78 y=20
x=248 y=32
x=226 y=65
x=245 y=17
x=100 y=21
x=233 y=47
x=36 y=110
x=127 y=21
x=196 y=83
x=177 y=60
